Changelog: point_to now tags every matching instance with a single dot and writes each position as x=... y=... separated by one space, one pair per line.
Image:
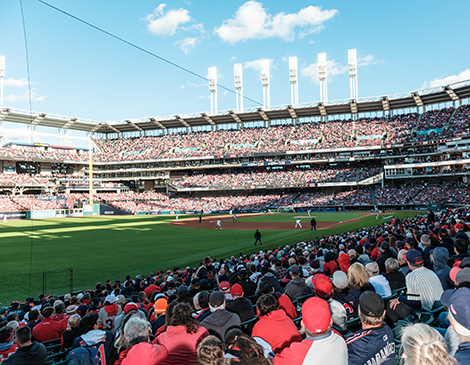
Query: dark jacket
x=462 y=355
x=370 y=346
x=441 y=268
x=386 y=254
x=296 y=288
x=356 y=293
x=270 y=277
x=220 y=321
x=396 y=280
x=249 y=287
x=241 y=306
x=33 y=354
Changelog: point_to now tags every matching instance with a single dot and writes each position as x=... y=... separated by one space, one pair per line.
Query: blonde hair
x=73 y=321
x=357 y=276
x=463 y=332
x=423 y=345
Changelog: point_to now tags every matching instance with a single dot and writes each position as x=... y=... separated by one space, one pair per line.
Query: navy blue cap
x=414 y=257
x=457 y=302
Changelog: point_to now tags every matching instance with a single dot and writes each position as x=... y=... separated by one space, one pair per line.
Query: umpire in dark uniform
x=258 y=238
x=313 y=224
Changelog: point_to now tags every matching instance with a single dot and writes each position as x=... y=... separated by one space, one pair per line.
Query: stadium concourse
x=362 y=297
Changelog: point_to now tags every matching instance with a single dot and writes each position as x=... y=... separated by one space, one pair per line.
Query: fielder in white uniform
x=218 y=225
x=298 y=222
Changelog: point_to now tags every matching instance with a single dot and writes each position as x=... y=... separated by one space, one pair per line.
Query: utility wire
x=142 y=49
x=30 y=120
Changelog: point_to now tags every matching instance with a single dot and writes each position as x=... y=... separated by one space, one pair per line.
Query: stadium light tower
x=238 y=73
x=265 y=83
x=294 y=86
x=322 y=77
x=213 y=88
x=352 y=62
x=2 y=73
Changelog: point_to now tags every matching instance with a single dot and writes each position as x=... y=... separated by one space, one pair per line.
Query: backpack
x=87 y=356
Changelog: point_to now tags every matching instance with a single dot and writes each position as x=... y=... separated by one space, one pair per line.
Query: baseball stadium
x=358 y=205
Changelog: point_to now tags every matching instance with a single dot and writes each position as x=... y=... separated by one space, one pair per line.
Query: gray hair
x=372 y=268
x=425 y=240
x=59 y=306
x=135 y=330
x=391 y=265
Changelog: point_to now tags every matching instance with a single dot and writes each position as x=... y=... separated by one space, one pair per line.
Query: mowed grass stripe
x=100 y=248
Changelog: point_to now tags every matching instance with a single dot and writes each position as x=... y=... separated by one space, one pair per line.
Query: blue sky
x=77 y=71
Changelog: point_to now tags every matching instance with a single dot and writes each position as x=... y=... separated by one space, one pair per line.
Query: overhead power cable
x=142 y=49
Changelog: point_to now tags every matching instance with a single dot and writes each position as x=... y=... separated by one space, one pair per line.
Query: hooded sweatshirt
x=442 y=270
x=98 y=339
x=220 y=320
x=106 y=316
x=33 y=354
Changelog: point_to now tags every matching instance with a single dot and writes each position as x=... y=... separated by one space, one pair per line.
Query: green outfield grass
x=100 y=248
x=291 y=217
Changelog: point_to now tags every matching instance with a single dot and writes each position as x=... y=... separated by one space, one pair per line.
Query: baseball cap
x=207 y=260
x=340 y=279
x=243 y=273
x=131 y=307
x=322 y=285
x=443 y=232
x=82 y=309
x=463 y=276
x=465 y=263
x=295 y=269
x=414 y=257
x=169 y=278
x=371 y=304
x=400 y=245
x=110 y=298
x=385 y=245
x=458 y=226
x=236 y=290
x=457 y=302
x=216 y=299
x=224 y=285
x=71 y=308
x=182 y=289
x=316 y=315
x=160 y=305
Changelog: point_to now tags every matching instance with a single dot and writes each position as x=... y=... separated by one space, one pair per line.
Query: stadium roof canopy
x=454 y=92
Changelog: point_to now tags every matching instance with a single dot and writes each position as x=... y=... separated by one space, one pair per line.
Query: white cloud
x=252 y=21
x=20 y=134
x=232 y=58
x=166 y=24
x=192 y=84
x=333 y=68
x=256 y=64
x=15 y=82
x=187 y=44
x=464 y=75
x=367 y=61
x=34 y=97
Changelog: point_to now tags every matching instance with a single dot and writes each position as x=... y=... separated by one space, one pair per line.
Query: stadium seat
x=247 y=326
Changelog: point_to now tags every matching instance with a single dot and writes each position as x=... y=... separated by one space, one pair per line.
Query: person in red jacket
x=48 y=329
x=140 y=351
x=284 y=301
x=330 y=265
x=274 y=326
x=182 y=336
x=323 y=345
x=7 y=343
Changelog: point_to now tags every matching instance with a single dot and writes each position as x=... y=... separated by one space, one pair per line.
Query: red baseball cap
x=236 y=290
x=224 y=285
x=130 y=307
x=322 y=285
x=316 y=315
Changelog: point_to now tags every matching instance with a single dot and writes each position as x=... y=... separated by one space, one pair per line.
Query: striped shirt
x=424 y=285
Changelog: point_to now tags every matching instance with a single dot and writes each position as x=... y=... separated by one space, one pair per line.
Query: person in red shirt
x=274 y=326
x=7 y=344
x=48 y=329
x=284 y=301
